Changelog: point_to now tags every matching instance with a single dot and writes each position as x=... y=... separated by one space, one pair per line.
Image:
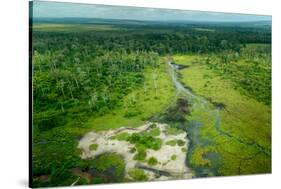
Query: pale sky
x=65 y=10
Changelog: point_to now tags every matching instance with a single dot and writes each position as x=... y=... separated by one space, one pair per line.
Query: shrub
x=154 y=132
x=141 y=155
x=138 y=174
x=145 y=140
x=133 y=150
x=93 y=146
x=183 y=149
x=121 y=136
x=173 y=157
x=173 y=131
x=180 y=142
x=97 y=180
x=153 y=125
x=171 y=142
x=152 y=161
x=107 y=162
x=131 y=114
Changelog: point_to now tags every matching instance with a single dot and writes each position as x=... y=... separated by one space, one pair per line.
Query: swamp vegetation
x=211 y=81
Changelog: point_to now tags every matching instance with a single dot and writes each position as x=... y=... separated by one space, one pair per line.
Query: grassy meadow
x=246 y=120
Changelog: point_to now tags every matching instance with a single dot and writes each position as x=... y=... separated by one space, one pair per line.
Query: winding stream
x=192 y=130
x=201 y=104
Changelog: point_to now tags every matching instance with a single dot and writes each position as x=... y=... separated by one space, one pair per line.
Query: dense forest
x=82 y=72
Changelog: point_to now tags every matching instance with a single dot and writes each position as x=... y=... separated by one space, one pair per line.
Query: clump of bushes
x=152 y=161
x=133 y=150
x=183 y=149
x=112 y=165
x=154 y=132
x=173 y=157
x=175 y=142
x=138 y=174
x=145 y=140
x=180 y=142
x=93 y=146
x=171 y=142
x=173 y=131
x=121 y=136
x=141 y=155
x=98 y=180
x=131 y=113
x=153 y=125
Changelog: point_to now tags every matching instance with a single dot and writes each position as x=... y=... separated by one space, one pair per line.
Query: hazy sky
x=55 y=9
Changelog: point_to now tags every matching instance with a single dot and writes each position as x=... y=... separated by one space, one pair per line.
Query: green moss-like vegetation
x=93 y=146
x=183 y=149
x=111 y=165
x=97 y=180
x=154 y=132
x=145 y=140
x=171 y=142
x=133 y=150
x=141 y=155
x=180 y=142
x=152 y=161
x=121 y=136
x=173 y=131
x=68 y=28
x=153 y=125
x=174 y=157
x=247 y=121
x=175 y=142
x=138 y=174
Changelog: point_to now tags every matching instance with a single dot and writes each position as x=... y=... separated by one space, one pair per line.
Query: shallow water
x=202 y=105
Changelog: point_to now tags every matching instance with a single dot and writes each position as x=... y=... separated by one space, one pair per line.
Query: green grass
x=55 y=153
x=171 y=142
x=73 y=27
x=243 y=117
x=180 y=142
x=173 y=131
x=183 y=149
x=147 y=103
x=175 y=142
x=105 y=162
x=205 y=29
x=121 y=136
x=145 y=141
x=142 y=142
x=173 y=157
x=93 y=147
x=138 y=174
x=152 y=161
x=154 y=132
x=240 y=110
x=249 y=70
x=140 y=155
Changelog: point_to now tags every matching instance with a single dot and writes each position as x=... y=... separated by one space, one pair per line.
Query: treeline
x=64 y=83
x=163 y=42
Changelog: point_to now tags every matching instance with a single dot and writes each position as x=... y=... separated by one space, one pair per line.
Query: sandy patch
x=175 y=167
